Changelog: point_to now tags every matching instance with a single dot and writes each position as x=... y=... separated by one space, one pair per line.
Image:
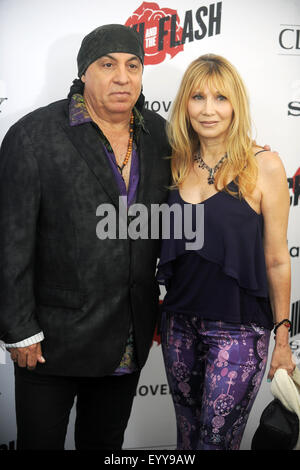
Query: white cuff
x=27 y=342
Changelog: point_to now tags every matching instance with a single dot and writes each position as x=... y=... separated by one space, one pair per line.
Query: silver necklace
x=212 y=171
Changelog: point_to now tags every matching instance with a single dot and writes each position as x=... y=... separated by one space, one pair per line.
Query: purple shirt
x=78 y=115
x=133 y=178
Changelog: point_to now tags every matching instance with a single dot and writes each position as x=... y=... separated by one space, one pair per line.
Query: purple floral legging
x=214 y=370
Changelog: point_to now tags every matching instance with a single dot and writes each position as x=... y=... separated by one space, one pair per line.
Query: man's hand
x=265 y=147
x=27 y=356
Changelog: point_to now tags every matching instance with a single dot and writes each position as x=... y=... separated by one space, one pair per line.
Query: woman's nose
x=208 y=106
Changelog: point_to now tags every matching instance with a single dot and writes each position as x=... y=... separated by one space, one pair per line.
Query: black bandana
x=108 y=39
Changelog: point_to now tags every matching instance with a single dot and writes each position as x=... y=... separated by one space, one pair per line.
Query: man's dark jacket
x=56 y=275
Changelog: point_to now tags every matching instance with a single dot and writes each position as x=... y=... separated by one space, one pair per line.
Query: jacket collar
x=88 y=140
x=78 y=114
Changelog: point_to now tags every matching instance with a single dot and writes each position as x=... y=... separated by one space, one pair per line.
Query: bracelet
x=286 y=322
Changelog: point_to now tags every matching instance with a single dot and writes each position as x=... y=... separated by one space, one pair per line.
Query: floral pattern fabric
x=214 y=371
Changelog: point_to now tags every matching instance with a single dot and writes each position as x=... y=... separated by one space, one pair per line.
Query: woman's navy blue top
x=226 y=279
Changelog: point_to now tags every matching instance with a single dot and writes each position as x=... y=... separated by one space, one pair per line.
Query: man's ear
x=82 y=78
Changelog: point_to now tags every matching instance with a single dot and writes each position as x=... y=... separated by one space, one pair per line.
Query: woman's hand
x=282 y=358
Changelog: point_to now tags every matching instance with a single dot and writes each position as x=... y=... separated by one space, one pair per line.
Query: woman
x=223 y=299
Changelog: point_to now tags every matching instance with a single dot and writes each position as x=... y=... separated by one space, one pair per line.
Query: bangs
x=212 y=78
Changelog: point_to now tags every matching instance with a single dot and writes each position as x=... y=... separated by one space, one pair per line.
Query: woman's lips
x=208 y=123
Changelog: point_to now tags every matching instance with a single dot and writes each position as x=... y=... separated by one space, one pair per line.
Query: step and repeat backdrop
x=39 y=41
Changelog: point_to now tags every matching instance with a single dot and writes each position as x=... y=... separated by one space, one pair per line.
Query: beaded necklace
x=129 y=148
x=212 y=171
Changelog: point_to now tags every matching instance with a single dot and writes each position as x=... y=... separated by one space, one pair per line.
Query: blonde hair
x=240 y=166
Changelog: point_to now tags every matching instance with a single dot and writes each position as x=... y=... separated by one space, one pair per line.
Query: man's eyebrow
x=109 y=56
x=134 y=57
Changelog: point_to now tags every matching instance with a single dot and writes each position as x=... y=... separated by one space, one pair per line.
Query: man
x=78 y=312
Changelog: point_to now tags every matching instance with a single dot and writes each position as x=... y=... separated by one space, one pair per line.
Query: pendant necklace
x=212 y=171
x=129 y=148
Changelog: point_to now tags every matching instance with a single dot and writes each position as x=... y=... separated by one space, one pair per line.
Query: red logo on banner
x=160 y=29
